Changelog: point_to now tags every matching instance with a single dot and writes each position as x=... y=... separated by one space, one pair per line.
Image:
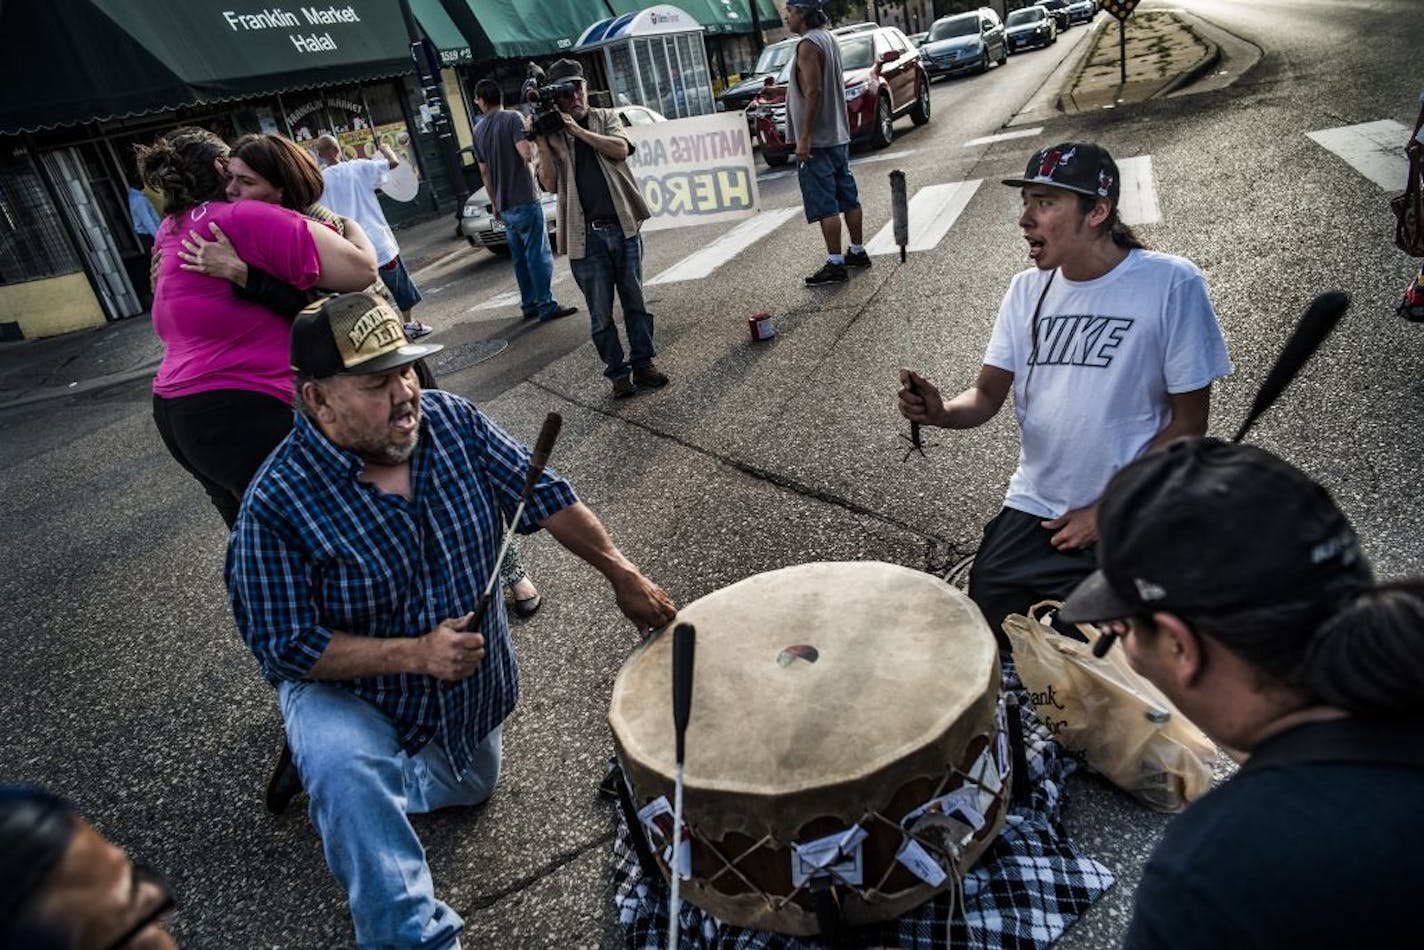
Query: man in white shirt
x=351 y=192
x=1110 y=351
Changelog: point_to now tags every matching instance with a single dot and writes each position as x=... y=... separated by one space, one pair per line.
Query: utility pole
x=432 y=88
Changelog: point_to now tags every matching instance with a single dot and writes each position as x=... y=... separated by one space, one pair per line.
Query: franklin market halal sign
x=309 y=28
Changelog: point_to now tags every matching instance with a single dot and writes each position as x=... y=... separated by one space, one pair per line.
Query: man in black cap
x=1238 y=588
x=1110 y=351
x=355 y=568
x=600 y=210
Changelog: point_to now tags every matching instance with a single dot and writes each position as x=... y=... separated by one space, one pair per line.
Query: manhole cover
x=464 y=355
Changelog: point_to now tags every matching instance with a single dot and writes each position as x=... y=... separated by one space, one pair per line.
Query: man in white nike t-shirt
x=1127 y=346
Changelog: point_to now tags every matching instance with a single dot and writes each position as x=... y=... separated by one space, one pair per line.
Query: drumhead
x=402 y=183
x=818 y=676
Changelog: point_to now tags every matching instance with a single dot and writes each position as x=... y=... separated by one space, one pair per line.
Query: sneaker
x=559 y=312
x=857 y=258
x=285 y=782
x=623 y=387
x=414 y=330
x=828 y=274
x=650 y=377
x=528 y=314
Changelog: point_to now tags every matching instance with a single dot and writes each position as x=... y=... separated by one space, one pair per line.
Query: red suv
x=884 y=79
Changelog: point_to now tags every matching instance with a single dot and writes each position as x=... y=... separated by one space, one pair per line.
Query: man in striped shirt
x=360 y=552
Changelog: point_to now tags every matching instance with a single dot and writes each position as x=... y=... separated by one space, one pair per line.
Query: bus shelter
x=654 y=57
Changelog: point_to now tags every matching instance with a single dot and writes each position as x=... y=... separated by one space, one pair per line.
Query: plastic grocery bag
x=1101 y=708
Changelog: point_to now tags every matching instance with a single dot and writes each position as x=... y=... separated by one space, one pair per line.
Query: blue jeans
x=610 y=260
x=533 y=260
x=362 y=786
x=398 y=282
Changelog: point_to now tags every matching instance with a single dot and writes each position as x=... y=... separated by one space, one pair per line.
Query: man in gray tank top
x=816 y=122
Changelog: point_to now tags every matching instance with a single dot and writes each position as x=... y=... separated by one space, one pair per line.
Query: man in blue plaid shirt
x=360 y=552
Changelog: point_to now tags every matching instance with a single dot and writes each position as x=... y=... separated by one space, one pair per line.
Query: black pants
x=222 y=438
x=1017 y=566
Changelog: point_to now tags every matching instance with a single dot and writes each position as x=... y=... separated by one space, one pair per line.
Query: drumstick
x=683 y=649
x=548 y=432
x=900 y=220
x=1315 y=325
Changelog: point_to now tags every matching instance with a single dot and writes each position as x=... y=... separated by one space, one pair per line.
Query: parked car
x=1082 y=11
x=965 y=43
x=884 y=79
x=1030 y=27
x=918 y=39
x=1059 y=10
x=481 y=228
x=768 y=64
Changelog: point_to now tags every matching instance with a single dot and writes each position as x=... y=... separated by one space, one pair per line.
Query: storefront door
x=94 y=231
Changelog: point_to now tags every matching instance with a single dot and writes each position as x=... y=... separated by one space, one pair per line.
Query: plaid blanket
x=1029 y=886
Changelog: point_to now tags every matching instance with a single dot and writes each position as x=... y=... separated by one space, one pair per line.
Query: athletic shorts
x=827 y=188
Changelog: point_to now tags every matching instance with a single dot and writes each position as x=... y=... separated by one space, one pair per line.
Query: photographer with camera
x=583 y=157
x=502 y=148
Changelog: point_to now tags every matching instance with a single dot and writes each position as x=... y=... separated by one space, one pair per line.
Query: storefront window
x=357 y=117
x=33 y=244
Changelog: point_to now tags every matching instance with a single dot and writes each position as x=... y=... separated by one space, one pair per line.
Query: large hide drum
x=831 y=704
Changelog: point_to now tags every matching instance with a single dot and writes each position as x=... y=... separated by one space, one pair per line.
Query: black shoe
x=608 y=788
x=857 y=258
x=828 y=274
x=650 y=377
x=285 y=782
x=623 y=387
x=528 y=314
x=560 y=312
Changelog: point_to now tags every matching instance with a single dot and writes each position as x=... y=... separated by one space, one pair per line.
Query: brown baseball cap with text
x=356 y=334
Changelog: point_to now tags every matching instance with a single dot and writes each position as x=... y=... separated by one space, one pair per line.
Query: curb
x=1100 y=26
x=1207 y=64
x=1211 y=58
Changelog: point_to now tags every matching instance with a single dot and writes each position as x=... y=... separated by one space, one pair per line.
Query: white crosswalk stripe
x=1138 y=201
x=702 y=263
x=1374 y=149
x=510 y=298
x=1004 y=137
x=932 y=211
x=862 y=160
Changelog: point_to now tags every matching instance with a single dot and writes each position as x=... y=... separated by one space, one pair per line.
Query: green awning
x=715 y=16
x=443 y=32
x=509 y=30
x=69 y=61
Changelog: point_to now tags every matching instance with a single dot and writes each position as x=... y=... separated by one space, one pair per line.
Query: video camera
x=547 y=118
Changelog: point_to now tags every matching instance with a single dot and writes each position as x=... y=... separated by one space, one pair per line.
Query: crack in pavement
x=568 y=857
x=761 y=474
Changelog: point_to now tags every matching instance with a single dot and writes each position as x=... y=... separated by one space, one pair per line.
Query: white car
x=481 y=228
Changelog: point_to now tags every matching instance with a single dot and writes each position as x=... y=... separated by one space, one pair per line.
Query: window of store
x=33 y=244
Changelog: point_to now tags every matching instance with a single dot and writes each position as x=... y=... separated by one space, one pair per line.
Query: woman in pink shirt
x=222 y=399
x=277 y=170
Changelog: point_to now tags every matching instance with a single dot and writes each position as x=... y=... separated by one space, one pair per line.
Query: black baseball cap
x=1081 y=167
x=352 y=333
x=566 y=70
x=1205 y=527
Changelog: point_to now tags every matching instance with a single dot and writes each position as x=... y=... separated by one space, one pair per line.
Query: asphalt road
x=125 y=685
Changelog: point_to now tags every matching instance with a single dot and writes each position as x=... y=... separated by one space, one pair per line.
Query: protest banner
x=697 y=170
